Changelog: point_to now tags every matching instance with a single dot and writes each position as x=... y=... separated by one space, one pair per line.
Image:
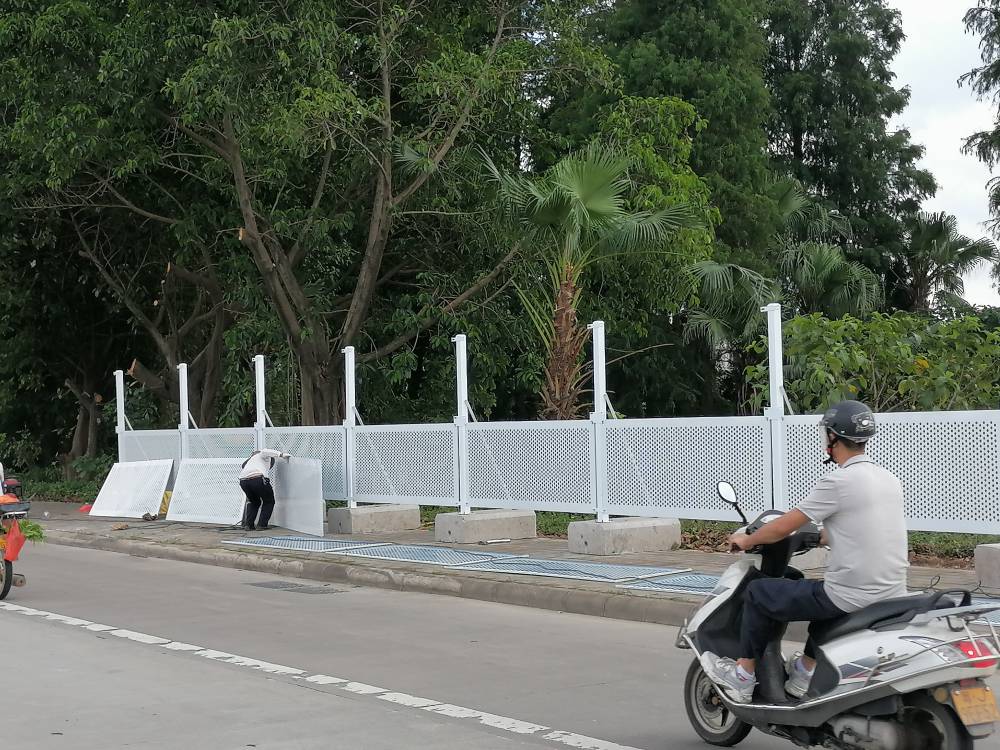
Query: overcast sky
x=936 y=52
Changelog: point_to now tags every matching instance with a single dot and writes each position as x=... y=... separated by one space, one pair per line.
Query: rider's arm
x=779 y=528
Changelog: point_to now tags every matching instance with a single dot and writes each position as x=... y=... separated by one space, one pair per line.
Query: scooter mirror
x=728 y=493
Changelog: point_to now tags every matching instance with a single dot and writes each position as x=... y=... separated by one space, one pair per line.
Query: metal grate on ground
x=692 y=583
x=420 y=554
x=302 y=543
x=576 y=570
x=989 y=617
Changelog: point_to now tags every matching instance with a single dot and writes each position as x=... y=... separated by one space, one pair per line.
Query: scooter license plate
x=975 y=705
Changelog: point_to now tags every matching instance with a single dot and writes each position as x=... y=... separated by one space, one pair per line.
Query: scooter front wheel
x=708 y=715
x=6 y=577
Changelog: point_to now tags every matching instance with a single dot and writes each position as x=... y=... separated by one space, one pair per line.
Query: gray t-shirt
x=861 y=507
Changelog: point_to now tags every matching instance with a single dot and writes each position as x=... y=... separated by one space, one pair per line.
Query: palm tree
x=575 y=214
x=936 y=256
x=819 y=277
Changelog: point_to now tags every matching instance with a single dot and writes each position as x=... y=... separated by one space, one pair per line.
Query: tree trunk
x=563 y=381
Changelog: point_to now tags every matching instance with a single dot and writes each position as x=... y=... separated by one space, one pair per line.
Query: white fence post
x=182 y=398
x=120 y=425
x=350 y=412
x=462 y=421
x=599 y=425
x=260 y=392
x=775 y=410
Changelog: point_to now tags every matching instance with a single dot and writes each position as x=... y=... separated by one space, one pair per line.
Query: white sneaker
x=798 y=681
x=722 y=671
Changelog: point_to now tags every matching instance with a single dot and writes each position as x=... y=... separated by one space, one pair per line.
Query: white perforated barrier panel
x=671 y=467
x=225 y=442
x=948 y=463
x=149 y=445
x=133 y=489
x=326 y=444
x=407 y=463
x=207 y=490
x=533 y=465
x=298 y=495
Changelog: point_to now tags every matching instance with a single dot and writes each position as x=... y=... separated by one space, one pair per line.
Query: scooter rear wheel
x=6 y=577
x=708 y=715
x=939 y=726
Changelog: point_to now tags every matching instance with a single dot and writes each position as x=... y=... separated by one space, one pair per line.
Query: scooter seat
x=901 y=609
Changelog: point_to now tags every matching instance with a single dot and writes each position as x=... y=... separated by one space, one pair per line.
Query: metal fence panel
x=407 y=464
x=325 y=444
x=133 y=489
x=221 y=442
x=298 y=495
x=670 y=467
x=208 y=491
x=948 y=463
x=151 y=445
x=532 y=465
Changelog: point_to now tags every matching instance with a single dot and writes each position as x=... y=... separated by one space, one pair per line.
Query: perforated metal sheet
x=133 y=489
x=578 y=570
x=420 y=554
x=948 y=463
x=298 y=495
x=235 y=442
x=151 y=445
x=208 y=491
x=532 y=465
x=407 y=463
x=299 y=543
x=671 y=467
x=327 y=444
x=690 y=583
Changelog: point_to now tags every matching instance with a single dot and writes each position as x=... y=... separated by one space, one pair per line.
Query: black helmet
x=851 y=420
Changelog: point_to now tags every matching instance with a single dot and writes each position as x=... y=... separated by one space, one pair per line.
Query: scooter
x=13 y=507
x=901 y=674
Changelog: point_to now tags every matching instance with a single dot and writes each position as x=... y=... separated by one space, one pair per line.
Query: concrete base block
x=373 y=519
x=988 y=566
x=624 y=535
x=484 y=525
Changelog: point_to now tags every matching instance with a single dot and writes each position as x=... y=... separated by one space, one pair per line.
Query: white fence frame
x=948 y=462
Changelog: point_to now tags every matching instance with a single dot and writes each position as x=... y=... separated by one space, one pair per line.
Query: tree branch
x=403 y=339
x=296 y=254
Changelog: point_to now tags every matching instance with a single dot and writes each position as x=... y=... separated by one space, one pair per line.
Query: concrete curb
x=561 y=595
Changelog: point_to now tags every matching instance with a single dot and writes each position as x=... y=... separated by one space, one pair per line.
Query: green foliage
x=830 y=76
x=32 y=531
x=898 y=362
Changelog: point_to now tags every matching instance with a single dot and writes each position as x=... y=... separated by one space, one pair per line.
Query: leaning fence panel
x=532 y=465
x=325 y=444
x=671 y=467
x=407 y=464
x=948 y=463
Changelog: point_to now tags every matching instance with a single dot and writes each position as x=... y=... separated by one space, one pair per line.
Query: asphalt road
x=148 y=653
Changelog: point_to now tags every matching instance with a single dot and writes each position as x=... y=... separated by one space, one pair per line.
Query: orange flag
x=15 y=540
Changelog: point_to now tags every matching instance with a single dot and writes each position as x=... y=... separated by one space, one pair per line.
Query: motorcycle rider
x=860 y=506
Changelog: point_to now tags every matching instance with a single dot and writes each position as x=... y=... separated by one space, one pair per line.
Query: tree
x=708 y=53
x=936 y=256
x=899 y=362
x=577 y=213
x=984 y=80
x=830 y=77
x=324 y=136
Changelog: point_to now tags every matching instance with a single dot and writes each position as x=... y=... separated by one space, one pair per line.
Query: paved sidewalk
x=203 y=543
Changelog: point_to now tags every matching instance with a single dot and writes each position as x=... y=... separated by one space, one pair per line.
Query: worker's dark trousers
x=770 y=602
x=260 y=497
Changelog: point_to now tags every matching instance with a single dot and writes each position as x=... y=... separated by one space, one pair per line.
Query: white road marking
x=505 y=723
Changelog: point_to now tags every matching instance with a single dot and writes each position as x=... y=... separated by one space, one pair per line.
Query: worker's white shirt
x=259 y=463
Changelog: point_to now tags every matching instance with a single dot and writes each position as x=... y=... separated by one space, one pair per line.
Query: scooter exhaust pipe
x=18 y=580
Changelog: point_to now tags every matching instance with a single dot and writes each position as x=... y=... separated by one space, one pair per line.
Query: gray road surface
x=76 y=688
